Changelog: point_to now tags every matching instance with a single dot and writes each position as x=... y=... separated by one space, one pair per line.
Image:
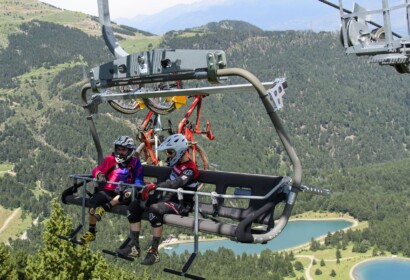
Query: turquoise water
x=392 y=269
x=295 y=233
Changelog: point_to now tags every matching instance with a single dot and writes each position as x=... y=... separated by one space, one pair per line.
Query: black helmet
x=127 y=142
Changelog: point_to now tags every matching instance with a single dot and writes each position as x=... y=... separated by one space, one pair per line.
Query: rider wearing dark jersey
x=184 y=175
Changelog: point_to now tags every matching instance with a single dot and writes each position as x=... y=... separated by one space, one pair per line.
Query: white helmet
x=176 y=142
x=127 y=142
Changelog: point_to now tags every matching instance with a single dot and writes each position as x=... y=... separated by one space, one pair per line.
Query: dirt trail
x=9 y=219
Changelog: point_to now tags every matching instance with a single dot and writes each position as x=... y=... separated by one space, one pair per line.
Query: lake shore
x=351 y=273
x=355 y=223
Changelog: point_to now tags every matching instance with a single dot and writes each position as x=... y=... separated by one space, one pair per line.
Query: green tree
x=322 y=262
x=7 y=270
x=338 y=254
x=318 y=271
x=333 y=273
x=59 y=259
x=298 y=266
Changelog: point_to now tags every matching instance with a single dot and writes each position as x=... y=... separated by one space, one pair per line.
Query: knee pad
x=155 y=219
x=134 y=212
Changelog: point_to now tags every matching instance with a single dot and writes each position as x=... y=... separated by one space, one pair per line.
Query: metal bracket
x=158 y=65
x=276 y=92
x=216 y=61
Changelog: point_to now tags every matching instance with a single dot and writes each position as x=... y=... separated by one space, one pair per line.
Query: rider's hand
x=147 y=191
x=101 y=179
x=125 y=194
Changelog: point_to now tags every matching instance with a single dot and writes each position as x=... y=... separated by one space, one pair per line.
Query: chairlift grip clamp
x=215 y=61
x=180 y=194
x=214 y=203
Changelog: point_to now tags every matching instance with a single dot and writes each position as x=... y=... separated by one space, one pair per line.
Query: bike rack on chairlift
x=263 y=192
x=382 y=44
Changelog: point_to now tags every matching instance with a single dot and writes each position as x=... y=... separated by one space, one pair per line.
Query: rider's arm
x=103 y=167
x=184 y=179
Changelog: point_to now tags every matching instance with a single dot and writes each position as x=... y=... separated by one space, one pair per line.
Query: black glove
x=125 y=194
x=101 y=179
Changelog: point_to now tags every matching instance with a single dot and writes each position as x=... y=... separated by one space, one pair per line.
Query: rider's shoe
x=151 y=257
x=87 y=237
x=99 y=213
x=132 y=249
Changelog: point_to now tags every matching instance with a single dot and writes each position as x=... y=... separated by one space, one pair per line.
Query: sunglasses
x=170 y=152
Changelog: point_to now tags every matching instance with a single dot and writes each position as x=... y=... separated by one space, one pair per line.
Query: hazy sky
x=288 y=14
x=122 y=8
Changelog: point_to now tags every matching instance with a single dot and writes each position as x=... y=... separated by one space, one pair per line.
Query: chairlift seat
x=238 y=223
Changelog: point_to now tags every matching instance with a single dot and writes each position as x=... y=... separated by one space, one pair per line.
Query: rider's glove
x=101 y=179
x=147 y=191
x=125 y=194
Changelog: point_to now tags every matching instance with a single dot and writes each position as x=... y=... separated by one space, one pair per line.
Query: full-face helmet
x=126 y=142
x=176 y=146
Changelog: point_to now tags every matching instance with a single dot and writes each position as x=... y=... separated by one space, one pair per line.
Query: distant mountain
x=221 y=26
x=267 y=15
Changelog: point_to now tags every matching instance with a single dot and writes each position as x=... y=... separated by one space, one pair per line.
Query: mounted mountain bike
x=149 y=134
x=188 y=129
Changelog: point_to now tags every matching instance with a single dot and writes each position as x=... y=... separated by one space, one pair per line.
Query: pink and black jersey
x=131 y=173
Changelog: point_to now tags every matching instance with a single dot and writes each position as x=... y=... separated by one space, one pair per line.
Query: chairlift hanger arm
x=107 y=31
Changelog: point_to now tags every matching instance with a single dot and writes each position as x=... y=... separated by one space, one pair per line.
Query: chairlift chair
x=252 y=224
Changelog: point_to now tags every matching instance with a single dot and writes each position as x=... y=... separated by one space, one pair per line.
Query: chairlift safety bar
x=286 y=181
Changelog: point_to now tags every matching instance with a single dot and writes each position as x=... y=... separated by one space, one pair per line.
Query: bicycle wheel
x=160 y=105
x=125 y=106
x=198 y=155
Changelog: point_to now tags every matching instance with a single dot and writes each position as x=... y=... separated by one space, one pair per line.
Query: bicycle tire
x=201 y=161
x=158 y=106
x=125 y=106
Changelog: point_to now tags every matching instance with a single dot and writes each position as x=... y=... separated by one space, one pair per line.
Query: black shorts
x=100 y=198
x=169 y=207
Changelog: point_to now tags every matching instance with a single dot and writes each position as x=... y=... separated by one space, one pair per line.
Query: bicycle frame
x=186 y=128
x=145 y=136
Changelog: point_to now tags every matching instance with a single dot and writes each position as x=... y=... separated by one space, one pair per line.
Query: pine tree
x=7 y=270
x=59 y=259
x=322 y=262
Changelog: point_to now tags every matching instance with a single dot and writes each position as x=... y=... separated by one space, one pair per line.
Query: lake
x=295 y=233
x=381 y=269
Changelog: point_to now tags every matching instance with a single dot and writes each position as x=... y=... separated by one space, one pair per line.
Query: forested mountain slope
x=348 y=120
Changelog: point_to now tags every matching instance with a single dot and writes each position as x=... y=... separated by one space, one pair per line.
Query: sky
x=160 y=16
x=121 y=8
